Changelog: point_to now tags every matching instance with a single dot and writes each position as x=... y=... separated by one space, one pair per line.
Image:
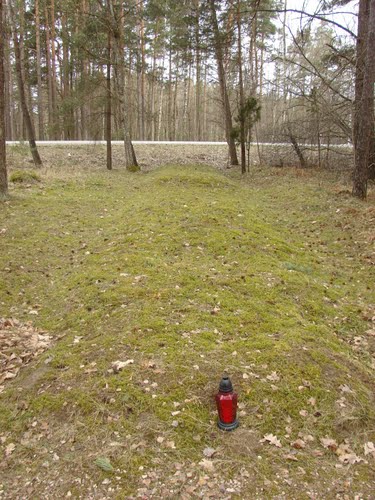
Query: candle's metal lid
x=225 y=384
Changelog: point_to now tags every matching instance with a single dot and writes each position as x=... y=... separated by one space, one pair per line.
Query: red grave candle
x=226 y=402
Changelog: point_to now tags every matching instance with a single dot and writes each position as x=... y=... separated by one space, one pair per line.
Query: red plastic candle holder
x=226 y=402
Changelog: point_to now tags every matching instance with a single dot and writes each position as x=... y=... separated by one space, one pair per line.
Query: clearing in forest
x=179 y=275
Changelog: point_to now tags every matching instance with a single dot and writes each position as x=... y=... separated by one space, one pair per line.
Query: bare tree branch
x=320 y=17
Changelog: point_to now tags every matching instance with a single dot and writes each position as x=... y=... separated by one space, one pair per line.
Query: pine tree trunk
x=68 y=118
x=361 y=49
x=204 y=120
x=170 y=95
x=198 y=125
x=371 y=166
x=160 y=113
x=84 y=77
x=130 y=157
x=174 y=119
x=22 y=93
x=9 y=118
x=261 y=69
x=39 y=72
x=56 y=127
x=153 y=93
x=364 y=131
x=256 y=63
x=21 y=7
x=108 y=114
x=223 y=86
x=51 y=131
x=3 y=164
x=242 y=97
x=189 y=132
x=143 y=65
x=296 y=147
x=138 y=126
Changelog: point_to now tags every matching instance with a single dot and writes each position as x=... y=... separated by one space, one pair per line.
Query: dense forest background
x=239 y=70
x=167 y=60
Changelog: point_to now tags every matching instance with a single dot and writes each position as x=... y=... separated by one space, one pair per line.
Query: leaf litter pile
x=19 y=344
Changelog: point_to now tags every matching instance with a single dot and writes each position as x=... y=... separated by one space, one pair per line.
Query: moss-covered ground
x=187 y=272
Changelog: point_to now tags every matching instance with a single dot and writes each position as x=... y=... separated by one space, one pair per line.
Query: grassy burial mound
x=125 y=297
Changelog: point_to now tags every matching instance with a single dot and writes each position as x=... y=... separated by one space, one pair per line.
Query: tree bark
x=170 y=107
x=56 y=126
x=296 y=147
x=364 y=99
x=68 y=117
x=143 y=65
x=9 y=109
x=118 y=63
x=3 y=163
x=39 y=72
x=22 y=94
x=361 y=49
x=241 y=114
x=51 y=132
x=198 y=125
x=152 y=90
x=223 y=86
x=108 y=114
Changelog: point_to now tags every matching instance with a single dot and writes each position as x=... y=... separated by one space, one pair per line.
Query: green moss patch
x=185 y=273
x=24 y=176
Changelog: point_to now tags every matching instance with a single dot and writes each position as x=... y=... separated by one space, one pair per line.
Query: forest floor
x=124 y=298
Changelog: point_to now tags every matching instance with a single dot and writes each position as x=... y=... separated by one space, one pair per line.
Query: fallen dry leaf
x=271 y=439
x=299 y=444
x=274 y=377
x=349 y=458
x=10 y=449
x=117 y=366
x=209 y=452
x=208 y=465
x=369 y=449
x=293 y=458
x=345 y=388
x=329 y=443
x=346 y=454
x=317 y=453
